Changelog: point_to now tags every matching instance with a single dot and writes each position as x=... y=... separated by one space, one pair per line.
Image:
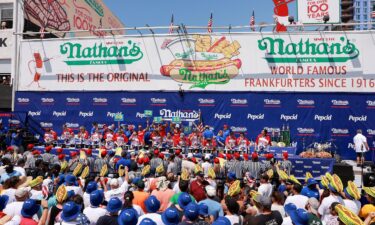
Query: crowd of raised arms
x=155 y=188
x=157 y=136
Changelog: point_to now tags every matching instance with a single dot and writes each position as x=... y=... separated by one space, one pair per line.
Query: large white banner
x=313 y=11
x=311 y=62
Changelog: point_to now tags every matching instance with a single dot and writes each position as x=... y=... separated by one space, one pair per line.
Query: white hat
x=207 y=156
x=21 y=192
x=114 y=182
x=210 y=190
x=190 y=155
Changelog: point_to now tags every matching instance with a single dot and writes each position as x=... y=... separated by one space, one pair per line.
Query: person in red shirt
x=67 y=134
x=49 y=136
x=197 y=187
x=176 y=138
x=194 y=140
x=83 y=134
x=208 y=144
x=168 y=140
x=231 y=142
x=120 y=138
x=163 y=129
x=243 y=142
x=141 y=133
x=263 y=141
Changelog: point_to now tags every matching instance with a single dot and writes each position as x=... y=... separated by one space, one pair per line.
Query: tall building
x=362 y=13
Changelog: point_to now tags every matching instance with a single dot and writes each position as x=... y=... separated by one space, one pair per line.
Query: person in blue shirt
x=226 y=131
x=9 y=172
x=94 y=127
x=311 y=190
x=214 y=207
x=220 y=140
x=17 y=139
x=208 y=133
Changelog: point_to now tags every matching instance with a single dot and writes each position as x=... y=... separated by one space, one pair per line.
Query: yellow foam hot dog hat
x=78 y=169
x=184 y=174
x=85 y=172
x=146 y=170
x=61 y=194
x=104 y=170
x=37 y=181
x=234 y=188
x=211 y=173
x=347 y=216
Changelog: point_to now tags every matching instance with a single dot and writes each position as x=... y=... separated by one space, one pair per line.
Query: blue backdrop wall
x=311 y=117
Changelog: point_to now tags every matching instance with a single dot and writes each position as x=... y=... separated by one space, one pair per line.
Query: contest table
x=279 y=150
x=316 y=166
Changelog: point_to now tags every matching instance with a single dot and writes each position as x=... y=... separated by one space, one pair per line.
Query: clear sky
x=192 y=12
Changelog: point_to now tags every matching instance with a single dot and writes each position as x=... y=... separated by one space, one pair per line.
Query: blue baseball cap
x=191 y=211
x=290 y=208
x=152 y=204
x=231 y=176
x=170 y=216
x=3 y=201
x=128 y=217
x=91 y=186
x=70 y=179
x=183 y=200
x=203 y=209
x=70 y=211
x=114 y=205
x=311 y=181
x=147 y=221
x=223 y=220
x=96 y=198
x=299 y=217
x=29 y=208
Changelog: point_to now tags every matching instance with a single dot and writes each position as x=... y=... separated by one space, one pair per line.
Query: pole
x=14 y=60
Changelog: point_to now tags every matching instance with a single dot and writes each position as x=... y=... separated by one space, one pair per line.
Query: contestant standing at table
x=263 y=141
x=360 y=146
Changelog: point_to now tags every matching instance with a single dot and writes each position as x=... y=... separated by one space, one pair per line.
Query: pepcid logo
x=370 y=104
x=99 y=101
x=206 y=102
x=46 y=125
x=168 y=114
x=86 y=114
x=222 y=116
x=370 y=132
x=272 y=103
x=73 y=101
x=323 y=118
x=128 y=101
x=72 y=125
x=239 y=102
x=305 y=131
x=255 y=116
x=47 y=101
x=59 y=114
x=14 y=122
x=23 y=101
x=140 y=115
x=339 y=132
x=288 y=117
x=351 y=145
x=158 y=101
x=340 y=103
x=238 y=129
x=356 y=119
x=34 y=114
x=113 y=114
x=305 y=103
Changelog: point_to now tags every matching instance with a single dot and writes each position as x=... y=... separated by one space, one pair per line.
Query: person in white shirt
x=206 y=165
x=14 y=209
x=93 y=212
x=70 y=181
x=360 y=146
x=116 y=190
x=297 y=199
x=324 y=208
x=91 y=187
x=265 y=188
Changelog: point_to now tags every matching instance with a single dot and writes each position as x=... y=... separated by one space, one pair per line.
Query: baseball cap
x=203 y=210
x=70 y=211
x=21 y=192
x=114 y=205
x=183 y=200
x=91 y=186
x=223 y=220
x=147 y=221
x=96 y=198
x=152 y=204
x=128 y=217
x=191 y=211
x=3 y=201
x=114 y=182
x=263 y=200
x=29 y=208
x=170 y=216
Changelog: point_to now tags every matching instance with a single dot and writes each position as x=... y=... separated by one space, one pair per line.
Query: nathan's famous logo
x=201 y=60
x=96 y=6
x=101 y=54
x=306 y=51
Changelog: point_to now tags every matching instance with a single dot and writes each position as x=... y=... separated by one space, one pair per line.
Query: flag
x=42 y=32
x=252 y=21
x=171 y=26
x=373 y=12
x=209 y=25
x=200 y=126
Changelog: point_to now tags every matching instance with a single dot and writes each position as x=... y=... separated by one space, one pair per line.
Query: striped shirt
x=253 y=168
x=266 y=165
x=98 y=164
x=286 y=165
x=155 y=162
x=236 y=167
x=178 y=162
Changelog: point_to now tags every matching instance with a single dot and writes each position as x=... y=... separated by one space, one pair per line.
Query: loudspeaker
x=344 y=171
